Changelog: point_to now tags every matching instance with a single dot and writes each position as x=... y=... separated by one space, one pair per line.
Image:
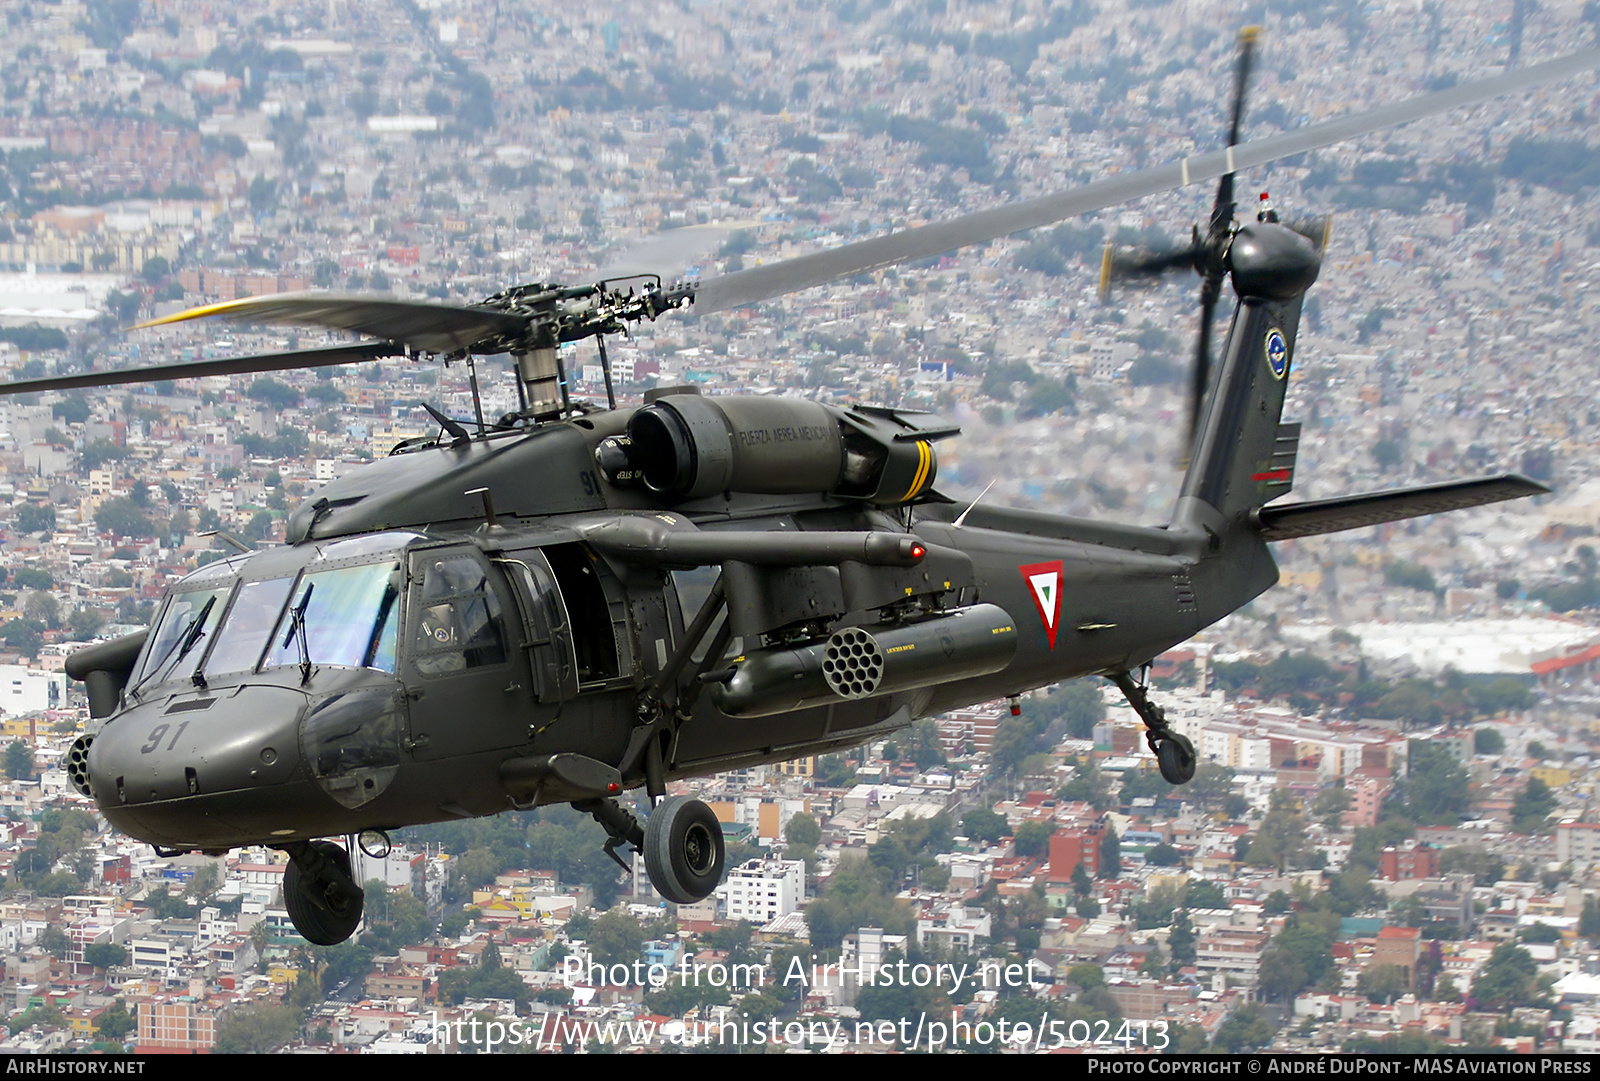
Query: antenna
x=962 y=517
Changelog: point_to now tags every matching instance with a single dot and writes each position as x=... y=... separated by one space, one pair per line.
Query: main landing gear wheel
x=1175 y=755
x=324 y=902
x=683 y=850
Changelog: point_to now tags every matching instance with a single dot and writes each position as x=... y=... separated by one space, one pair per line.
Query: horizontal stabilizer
x=1355 y=511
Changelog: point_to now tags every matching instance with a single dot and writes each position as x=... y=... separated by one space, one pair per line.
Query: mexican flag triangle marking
x=1044 y=582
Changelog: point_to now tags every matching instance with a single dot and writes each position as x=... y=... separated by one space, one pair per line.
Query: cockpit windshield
x=186 y=623
x=350 y=619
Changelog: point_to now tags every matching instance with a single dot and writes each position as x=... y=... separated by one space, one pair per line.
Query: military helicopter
x=570 y=602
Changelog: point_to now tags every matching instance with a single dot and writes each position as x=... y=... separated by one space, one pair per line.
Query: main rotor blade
x=668 y=254
x=777 y=279
x=353 y=353
x=429 y=328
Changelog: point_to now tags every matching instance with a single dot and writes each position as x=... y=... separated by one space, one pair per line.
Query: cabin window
x=457 y=623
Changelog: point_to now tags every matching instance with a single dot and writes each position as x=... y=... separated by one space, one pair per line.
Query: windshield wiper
x=297 y=630
x=192 y=633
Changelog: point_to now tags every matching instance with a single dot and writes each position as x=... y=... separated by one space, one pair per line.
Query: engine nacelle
x=862 y=662
x=683 y=446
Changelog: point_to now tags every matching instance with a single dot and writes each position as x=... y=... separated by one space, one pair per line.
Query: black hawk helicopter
x=569 y=603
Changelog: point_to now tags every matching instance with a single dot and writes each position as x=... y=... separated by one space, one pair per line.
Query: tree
x=85 y=623
x=263 y=194
x=1436 y=786
x=32 y=578
x=256 y=1029
x=1589 y=920
x=1180 y=940
x=122 y=517
x=984 y=825
x=1088 y=785
x=259 y=526
x=73 y=409
x=1381 y=983
x=104 y=955
x=803 y=830
x=35 y=518
x=1509 y=979
x=1110 y=854
x=41 y=608
x=1331 y=806
x=616 y=937
x=273 y=394
x=1311 y=946
x=1082 y=707
x=1245 y=1028
x=19 y=761
x=1532 y=807
x=1282 y=976
x=1212 y=782
x=1163 y=855
x=1488 y=741
x=920 y=743
x=114 y=1023
x=1033 y=839
x=1281 y=841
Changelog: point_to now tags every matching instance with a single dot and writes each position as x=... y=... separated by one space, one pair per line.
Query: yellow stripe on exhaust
x=924 y=461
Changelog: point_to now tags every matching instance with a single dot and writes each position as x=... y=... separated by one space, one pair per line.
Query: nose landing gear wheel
x=1175 y=755
x=324 y=903
x=683 y=850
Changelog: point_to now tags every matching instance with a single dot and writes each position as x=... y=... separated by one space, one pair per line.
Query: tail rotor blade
x=1222 y=207
x=1248 y=37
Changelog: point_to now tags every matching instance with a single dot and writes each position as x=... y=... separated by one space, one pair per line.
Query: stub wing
x=1279 y=523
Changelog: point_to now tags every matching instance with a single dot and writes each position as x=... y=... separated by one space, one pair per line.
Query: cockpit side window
x=457 y=622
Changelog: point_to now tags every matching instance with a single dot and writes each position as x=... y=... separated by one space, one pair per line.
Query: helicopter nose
x=149 y=764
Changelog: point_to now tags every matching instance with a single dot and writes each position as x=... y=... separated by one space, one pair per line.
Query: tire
x=1175 y=754
x=338 y=914
x=683 y=850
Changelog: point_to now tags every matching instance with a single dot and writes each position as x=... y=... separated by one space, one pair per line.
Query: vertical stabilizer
x=1244 y=455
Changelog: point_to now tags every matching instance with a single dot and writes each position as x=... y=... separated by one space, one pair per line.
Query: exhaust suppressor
x=857 y=662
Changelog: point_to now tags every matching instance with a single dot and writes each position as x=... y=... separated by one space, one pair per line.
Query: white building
x=761 y=890
x=30 y=690
x=1578 y=843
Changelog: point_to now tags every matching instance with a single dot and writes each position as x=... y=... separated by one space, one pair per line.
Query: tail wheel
x=324 y=903
x=1175 y=754
x=683 y=850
